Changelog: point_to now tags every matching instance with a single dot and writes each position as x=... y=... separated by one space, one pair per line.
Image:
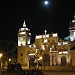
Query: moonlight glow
x=46 y=2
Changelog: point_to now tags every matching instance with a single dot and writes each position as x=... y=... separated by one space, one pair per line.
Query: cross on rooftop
x=45 y=31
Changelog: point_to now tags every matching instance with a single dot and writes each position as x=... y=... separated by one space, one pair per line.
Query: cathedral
x=48 y=50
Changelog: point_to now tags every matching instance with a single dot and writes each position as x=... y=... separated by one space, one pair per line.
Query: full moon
x=46 y=2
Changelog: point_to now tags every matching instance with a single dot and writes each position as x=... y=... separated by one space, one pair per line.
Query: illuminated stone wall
x=23 y=56
x=73 y=57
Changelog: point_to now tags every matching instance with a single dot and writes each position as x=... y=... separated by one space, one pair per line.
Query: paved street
x=44 y=73
x=59 y=73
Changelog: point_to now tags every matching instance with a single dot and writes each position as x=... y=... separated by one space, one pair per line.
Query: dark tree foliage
x=8 y=49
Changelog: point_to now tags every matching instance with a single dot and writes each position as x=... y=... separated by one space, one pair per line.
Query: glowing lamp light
x=40 y=58
x=46 y=2
x=0 y=55
x=9 y=60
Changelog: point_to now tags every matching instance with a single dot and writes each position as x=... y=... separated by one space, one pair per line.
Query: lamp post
x=0 y=62
x=9 y=60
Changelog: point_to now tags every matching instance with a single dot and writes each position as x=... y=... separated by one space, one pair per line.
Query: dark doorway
x=46 y=60
x=63 y=61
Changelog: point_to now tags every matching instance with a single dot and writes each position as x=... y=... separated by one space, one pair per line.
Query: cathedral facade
x=47 y=50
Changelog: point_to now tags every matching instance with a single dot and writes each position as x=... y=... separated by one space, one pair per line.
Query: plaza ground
x=44 y=73
x=59 y=73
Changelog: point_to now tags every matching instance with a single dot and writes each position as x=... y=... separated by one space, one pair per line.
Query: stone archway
x=31 y=61
x=63 y=61
x=46 y=59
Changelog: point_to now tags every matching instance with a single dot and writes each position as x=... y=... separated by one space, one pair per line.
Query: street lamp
x=9 y=60
x=40 y=58
x=0 y=62
x=0 y=55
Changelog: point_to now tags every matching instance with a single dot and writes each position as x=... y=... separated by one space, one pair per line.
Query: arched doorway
x=31 y=61
x=46 y=60
x=63 y=61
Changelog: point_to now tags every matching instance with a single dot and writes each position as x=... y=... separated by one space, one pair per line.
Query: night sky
x=53 y=17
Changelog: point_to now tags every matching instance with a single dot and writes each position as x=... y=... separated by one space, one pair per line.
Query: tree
x=8 y=48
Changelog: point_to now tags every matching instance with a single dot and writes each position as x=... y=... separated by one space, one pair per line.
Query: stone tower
x=72 y=29
x=24 y=39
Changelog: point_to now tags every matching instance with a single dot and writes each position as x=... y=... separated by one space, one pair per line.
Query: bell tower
x=72 y=29
x=24 y=36
x=24 y=39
